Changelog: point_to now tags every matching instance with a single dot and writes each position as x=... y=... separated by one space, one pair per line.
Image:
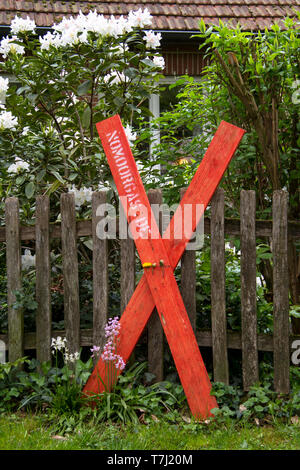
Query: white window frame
x=154 y=107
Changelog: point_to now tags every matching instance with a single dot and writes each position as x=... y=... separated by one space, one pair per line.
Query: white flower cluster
x=27 y=260
x=152 y=39
x=139 y=18
x=103 y=186
x=8 y=45
x=159 y=62
x=3 y=87
x=48 y=40
x=114 y=78
x=7 y=120
x=25 y=131
x=75 y=30
x=22 y=25
x=18 y=166
x=69 y=357
x=131 y=136
x=82 y=195
x=60 y=344
x=119 y=49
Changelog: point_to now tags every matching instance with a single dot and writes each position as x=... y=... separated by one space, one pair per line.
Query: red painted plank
x=200 y=190
x=162 y=283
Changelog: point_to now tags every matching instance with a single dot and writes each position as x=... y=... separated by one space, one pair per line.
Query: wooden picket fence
x=218 y=338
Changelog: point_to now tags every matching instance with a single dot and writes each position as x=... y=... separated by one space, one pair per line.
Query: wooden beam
x=100 y=274
x=281 y=292
x=218 y=302
x=14 y=282
x=204 y=339
x=248 y=289
x=231 y=227
x=154 y=328
x=70 y=270
x=43 y=279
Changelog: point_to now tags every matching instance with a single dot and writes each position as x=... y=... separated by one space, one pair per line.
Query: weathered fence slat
x=13 y=271
x=100 y=272
x=155 y=330
x=127 y=280
x=248 y=289
x=218 y=303
x=127 y=277
x=43 y=279
x=188 y=280
x=70 y=271
x=281 y=292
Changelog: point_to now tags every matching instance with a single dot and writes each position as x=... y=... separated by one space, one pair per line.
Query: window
x=163 y=101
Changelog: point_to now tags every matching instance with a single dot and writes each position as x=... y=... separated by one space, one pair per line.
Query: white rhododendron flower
x=8 y=45
x=159 y=62
x=27 y=260
x=48 y=40
x=4 y=82
x=7 y=120
x=120 y=49
x=140 y=18
x=152 y=39
x=74 y=30
x=114 y=78
x=21 y=25
x=131 y=136
x=95 y=23
x=103 y=186
x=18 y=166
x=114 y=28
x=82 y=195
x=25 y=131
x=123 y=26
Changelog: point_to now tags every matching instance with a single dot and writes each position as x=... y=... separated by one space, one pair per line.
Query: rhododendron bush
x=85 y=69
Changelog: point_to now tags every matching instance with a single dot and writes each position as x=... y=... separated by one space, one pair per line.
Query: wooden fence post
x=100 y=274
x=248 y=289
x=127 y=253
x=155 y=330
x=281 y=292
x=43 y=279
x=127 y=279
x=188 y=280
x=218 y=304
x=13 y=269
x=70 y=271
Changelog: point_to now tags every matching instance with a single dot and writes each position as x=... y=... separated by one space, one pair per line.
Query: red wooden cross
x=158 y=287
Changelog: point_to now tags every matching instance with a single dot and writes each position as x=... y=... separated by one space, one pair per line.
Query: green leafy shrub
x=41 y=385
x=131 y=401
x=260 y=403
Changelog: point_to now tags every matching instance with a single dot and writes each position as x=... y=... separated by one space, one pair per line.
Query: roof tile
x=167 y=14
x=224 y=10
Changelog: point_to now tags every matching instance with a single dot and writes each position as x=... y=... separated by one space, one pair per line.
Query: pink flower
x=95 y=350
x=109 y=353
x=120 y=364
x=112 y=328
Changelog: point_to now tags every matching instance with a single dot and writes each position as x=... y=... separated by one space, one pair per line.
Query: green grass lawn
x=36 y=432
